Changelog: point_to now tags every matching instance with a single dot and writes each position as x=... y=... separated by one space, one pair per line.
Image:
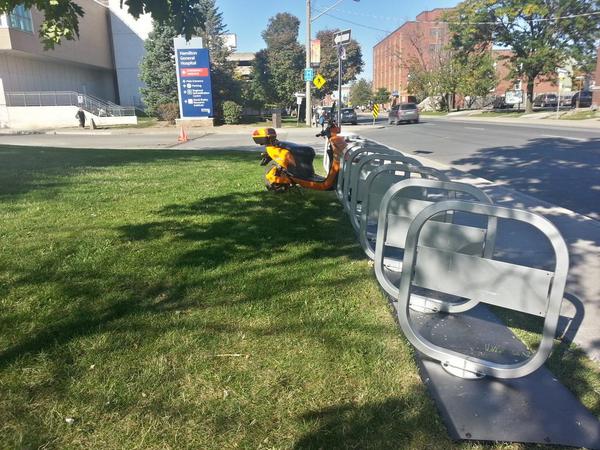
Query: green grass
x=508 y=113
x=579 y=115
x=434 y=113
x=164 y=299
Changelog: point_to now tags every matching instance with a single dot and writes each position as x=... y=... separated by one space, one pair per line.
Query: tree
x=361 y=92
x=540 y=42
x=278 y=68
x=61 y=17
x=224 y=84
x=382 y=95
x=478 y=76
x=353 y=65
x=157 y=69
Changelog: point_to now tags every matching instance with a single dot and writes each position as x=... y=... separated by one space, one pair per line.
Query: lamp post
x=309 y=20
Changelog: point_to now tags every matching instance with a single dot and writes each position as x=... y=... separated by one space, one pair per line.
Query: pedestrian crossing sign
x=319 y=81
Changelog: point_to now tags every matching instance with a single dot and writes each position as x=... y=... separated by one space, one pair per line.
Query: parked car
x=349 y=116
x=500 y=103
x=584 y=97
x=546 y=100
x=404 y=112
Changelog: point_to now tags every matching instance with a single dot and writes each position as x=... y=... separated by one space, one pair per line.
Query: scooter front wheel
x=272 y=176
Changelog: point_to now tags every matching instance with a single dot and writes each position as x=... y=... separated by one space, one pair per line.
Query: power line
x=357 y=24
x=458 y=22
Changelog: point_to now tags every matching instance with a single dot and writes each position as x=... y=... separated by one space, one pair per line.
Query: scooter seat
x=299 y=151
x=303 y=159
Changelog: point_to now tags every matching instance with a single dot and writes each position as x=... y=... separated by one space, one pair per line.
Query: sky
x=372 y=19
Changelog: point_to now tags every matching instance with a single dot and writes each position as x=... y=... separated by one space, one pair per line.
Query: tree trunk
x=529 y=100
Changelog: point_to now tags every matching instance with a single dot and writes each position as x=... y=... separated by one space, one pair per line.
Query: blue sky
x=248 y=18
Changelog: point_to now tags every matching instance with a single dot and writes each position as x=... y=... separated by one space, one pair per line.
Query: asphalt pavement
x=559 y=165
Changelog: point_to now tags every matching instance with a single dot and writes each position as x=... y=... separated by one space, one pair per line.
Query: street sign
x=342 y=37
x=299 y=96
x=375 y=111
x=319 y=81
x=343 y=53
x=193 y=78
x=514 y=97
x=309 y=74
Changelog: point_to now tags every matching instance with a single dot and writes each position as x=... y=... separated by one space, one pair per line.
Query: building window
x=434 y=32
x=20 y=18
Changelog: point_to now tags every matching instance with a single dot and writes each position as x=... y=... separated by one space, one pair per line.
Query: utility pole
x=308 y=58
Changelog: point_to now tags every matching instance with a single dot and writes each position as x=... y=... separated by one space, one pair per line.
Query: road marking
x=474 y=128
x=565 y=137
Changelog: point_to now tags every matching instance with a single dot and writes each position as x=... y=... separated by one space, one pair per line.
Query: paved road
x=558 y=165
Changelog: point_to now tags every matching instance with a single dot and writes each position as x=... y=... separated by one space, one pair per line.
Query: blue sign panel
x=309 y=74
x=195 y=86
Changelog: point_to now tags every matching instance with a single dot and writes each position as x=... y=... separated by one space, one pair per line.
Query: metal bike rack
x=386 y=176
x=404 y=207
x=429 y=263
x=396 y=212
x=360 y=171
x=352 y=157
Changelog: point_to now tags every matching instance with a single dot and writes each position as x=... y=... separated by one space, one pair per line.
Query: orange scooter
x=288 y=164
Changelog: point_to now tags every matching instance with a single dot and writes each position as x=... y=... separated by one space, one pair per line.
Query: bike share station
x=456 y=268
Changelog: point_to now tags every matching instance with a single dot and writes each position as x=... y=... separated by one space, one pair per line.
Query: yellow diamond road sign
x=319 y=81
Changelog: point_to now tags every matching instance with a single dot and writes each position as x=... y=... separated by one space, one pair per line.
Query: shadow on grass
x=392 y=424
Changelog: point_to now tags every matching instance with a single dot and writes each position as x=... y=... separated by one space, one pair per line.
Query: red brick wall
x=415 y=40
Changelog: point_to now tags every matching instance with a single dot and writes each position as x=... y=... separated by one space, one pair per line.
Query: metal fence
x=89 y=103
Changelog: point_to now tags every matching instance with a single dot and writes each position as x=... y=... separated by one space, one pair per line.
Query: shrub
x=168 y=112
x=232 y=112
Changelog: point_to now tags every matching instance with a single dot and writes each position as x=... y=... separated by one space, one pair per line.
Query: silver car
x=404 y=112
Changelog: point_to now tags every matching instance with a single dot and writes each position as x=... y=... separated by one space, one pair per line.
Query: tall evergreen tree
x=157 y=69
x=224 y=84
x=278 y=68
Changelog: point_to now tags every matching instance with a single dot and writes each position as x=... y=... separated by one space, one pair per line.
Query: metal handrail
x=89 y=103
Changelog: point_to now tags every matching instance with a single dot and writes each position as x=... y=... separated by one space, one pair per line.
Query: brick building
x=418 y=40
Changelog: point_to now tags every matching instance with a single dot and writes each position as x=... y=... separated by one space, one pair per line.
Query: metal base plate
x=533 y=409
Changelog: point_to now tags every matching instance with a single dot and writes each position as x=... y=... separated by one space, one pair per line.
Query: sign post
x=562 y=73
x=375 y=112
x=340 y=39
x=193 y=79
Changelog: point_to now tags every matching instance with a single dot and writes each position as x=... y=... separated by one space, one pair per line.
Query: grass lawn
x=501 y=114
x=434 y=113
x=164 y=299
x=579 y=115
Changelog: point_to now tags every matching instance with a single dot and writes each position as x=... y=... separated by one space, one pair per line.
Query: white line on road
x=565 y=137
x=474 y=128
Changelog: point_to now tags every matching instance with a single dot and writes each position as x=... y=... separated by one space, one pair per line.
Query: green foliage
x=168 y=112
x=232 y=112
x=157 y=69
x=353 y=65
x=382 y=95
x=361 y=92
x=538 y=47
x=61 y=17
x=478 y=76
x=224 y=84
x=278 y=68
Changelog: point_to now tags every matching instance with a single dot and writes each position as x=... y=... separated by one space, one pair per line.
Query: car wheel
x=390 y=122
x=416 y=121
x=354 y=123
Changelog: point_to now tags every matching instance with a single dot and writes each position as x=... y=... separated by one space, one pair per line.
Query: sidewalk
x=588 y=124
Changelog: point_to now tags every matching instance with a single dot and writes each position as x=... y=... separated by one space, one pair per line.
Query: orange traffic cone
x=183 y=137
